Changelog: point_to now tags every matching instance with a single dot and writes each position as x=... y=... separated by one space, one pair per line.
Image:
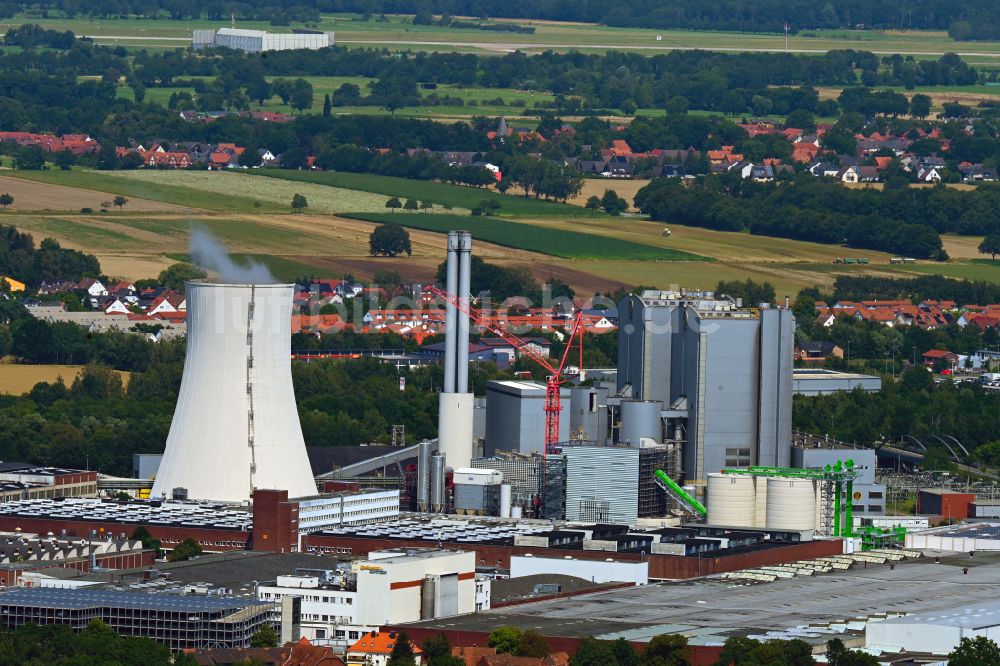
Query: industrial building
x=273 y=523
x=182 y=622
x=868 y=497
x=515 y=416
x=22 y=481
x=25 y=556
x=820 y=381
x=236 y=426
x=402 y=585
x=259 y=41
x=614 y=483
x=935 y=631
x=672 y=553
x=720 y=372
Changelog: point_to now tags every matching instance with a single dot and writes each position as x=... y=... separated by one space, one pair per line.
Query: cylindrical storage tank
x=423 y=476
x=437 y=481
x=588 y=413
x=505 y=500
x=640 y=418
x=427 y=598
x=791 y=504
x=730 y=500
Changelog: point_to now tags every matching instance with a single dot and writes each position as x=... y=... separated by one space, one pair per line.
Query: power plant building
x=259 y=41
x=613 y=483
x=515 y=416
x=236 y=426
x=721 y=372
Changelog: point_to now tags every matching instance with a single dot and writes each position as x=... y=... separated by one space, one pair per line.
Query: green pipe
x=849 y=520
x=836 y=508
x=680 y=492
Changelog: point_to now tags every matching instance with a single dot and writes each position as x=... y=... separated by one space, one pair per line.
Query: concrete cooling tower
x=235 y=427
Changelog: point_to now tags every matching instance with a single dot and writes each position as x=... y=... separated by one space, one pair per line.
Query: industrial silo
x=236 y=426
x=791 y=504
x=730 y=500
x=588 y=413
x=639 y=419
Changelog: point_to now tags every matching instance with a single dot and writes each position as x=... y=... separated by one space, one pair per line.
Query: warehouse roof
x=41 y=597
x=980 y=615
x=162 y=513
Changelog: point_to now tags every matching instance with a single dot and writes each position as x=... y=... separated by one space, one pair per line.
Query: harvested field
x=273 y=190
x=595 y=187
x=33 y=196
x=19 y=379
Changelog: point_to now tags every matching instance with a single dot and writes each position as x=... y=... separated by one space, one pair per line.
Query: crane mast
x=556 y=377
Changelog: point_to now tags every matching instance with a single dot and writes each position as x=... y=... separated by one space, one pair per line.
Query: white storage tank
x=731 y=500
x=791 y=504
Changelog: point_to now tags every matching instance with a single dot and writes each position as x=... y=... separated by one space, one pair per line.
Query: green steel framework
x=840 y=476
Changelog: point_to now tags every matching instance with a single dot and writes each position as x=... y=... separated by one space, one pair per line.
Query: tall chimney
x=451 y=314
x=464 y=288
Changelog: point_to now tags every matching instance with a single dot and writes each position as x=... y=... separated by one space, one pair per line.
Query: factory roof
x=440 y=530
x=979 y=615
x=822 y=373
x=240 y=32
x=944 y=491
x=713 y=607
x=165 y=514
x=82 y=598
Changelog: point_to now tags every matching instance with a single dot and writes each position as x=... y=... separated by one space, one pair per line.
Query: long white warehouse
x=259 y=41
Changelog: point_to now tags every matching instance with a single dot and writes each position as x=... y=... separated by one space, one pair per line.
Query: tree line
x=805 y=209
x=21 y=260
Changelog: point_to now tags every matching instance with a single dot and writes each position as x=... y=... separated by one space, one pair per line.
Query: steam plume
x=208 y=253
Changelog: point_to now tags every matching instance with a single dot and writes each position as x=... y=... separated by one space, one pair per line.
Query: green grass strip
x=440 y=194
x=555 y=242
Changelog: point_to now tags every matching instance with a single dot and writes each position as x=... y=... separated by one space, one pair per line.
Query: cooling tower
x=236 y=427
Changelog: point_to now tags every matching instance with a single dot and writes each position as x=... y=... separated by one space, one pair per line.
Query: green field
x=143 y=189
x=440 y=194
x=274 y=192
x=400 y=34
x=554 y=242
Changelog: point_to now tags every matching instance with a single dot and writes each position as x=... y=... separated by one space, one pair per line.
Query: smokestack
x=236 y=426
x=464 y=294
x=451 y=314
x=455 y=403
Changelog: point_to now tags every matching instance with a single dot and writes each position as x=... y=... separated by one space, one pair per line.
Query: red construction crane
x=556 y=378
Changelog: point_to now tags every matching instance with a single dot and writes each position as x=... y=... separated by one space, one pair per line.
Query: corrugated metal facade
x=602 y=484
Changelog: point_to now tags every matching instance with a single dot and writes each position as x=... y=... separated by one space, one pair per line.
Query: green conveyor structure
x=679 y=495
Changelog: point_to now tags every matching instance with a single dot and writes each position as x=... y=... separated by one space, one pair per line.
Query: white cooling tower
x=236 y=427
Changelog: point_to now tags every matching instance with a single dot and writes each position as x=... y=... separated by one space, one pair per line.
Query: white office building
x=390 y=587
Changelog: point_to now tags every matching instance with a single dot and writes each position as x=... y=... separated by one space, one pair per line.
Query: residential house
x=375 y=647
x=300 y=653
x=114 y=305
x=929 y=174
x=13 y=286
x=825 y=169
x=167 y=302
x=935 y=356
x=92 y=286
x=817 y=351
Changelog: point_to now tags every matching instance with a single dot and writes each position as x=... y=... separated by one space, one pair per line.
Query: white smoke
x=208 y=253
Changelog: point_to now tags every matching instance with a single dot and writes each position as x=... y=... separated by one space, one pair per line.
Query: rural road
x=514 y=46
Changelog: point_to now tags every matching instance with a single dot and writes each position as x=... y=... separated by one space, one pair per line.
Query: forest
x=731 y=15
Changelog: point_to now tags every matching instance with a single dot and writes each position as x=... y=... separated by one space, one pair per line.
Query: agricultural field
x=20 y=379
x=153 y=189
x=249 y=213
x=543 y=238
x=398 y=33
x=34 y=196
x=274 y=191
x=440 y=194
x=595 y=187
